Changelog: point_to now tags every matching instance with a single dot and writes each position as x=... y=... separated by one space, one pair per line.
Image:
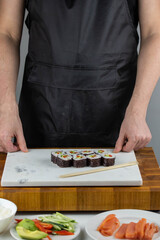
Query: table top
x=146 y=197
x=81 y=218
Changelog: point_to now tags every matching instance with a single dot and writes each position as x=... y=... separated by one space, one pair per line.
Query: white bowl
x=6 y=221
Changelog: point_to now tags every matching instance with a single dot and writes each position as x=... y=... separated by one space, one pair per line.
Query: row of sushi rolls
x=82 y=158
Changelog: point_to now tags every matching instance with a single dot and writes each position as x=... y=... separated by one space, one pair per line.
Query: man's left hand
x=134 y=134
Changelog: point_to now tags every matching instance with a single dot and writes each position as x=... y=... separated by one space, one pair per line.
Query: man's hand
x=134 y=134
x=11 y=24
x=10 y=126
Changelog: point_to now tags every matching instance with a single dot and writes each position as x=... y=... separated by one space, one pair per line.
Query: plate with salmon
x=124 y=224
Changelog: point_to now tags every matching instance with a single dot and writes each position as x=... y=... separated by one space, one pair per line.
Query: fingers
x=10 y=147
x=130 y=144
x=21 y=141
x=136 y=143
x=119 y=144
x=143 y=142
x=10 y=127
x=6 y=145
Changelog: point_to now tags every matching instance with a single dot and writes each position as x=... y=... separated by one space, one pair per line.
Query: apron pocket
x=73 y=77
x=74 y=100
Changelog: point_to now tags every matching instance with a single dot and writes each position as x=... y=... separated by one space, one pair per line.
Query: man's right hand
x=11 y=126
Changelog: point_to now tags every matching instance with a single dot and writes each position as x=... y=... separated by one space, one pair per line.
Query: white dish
x=124 y=216
x=6 y=221
x=15 y=235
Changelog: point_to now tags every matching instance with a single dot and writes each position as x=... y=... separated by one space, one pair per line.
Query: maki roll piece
x=94 y=160
x=73 y=152
x=79 y=161
x=108 y=159
x=100 y=151
x=64 y=160
x=54 y=155
x=87 y=152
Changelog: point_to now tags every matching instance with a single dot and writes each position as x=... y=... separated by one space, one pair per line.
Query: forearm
x=9 y=66
x=148 y=73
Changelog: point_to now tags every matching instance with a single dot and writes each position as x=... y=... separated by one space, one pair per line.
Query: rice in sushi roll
x=87 y=152
x=73 y=152
x=100 y=151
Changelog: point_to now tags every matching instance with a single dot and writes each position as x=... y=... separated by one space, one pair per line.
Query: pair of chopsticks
x=99 y=169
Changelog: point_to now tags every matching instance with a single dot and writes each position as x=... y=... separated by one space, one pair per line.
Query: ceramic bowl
x=6 y=221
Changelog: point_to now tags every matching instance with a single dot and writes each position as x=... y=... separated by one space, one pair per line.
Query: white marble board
x=36 y=169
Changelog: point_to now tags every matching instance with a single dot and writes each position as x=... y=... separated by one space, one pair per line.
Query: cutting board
x=36 y=169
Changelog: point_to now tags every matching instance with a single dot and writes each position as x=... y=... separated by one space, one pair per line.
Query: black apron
x=80 y=71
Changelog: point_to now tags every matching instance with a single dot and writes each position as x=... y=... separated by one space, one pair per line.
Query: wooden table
x=91 y=198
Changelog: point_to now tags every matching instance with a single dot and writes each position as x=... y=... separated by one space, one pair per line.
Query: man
x=82 y=85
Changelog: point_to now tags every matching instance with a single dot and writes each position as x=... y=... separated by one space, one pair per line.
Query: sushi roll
x=73 y=152
x=94 y=160
x=54 y=155
x=100 y=151
x=79 y=161
x=64 y=160
x=108 y=159
x=87 y=152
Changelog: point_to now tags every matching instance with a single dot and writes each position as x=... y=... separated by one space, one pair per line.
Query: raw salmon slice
x=131 y=232
x=140 y=227
x=150 y=232
x=110 y=216
x=104 y=233
x=121 y=231
x=108 y=224
x=146 y=230
x=110 y=227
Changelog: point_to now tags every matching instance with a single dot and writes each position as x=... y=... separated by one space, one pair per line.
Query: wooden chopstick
x=99 y=169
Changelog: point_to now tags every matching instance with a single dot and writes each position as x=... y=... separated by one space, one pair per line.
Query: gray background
x=153 y=114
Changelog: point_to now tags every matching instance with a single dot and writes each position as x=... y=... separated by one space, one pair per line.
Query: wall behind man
x=153 y=114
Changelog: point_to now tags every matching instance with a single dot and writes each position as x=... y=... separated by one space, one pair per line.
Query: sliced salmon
x=152 y=230
x=131 y=231
x=110 y=226
x=120 y=234
x=146 y=230
x=109 y=223
x=156 y=229
x=104 y=233
x=110 y=216
x=113 y=228
x=140 y=228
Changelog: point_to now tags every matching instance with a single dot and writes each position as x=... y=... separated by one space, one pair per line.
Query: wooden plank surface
x=91 y=198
